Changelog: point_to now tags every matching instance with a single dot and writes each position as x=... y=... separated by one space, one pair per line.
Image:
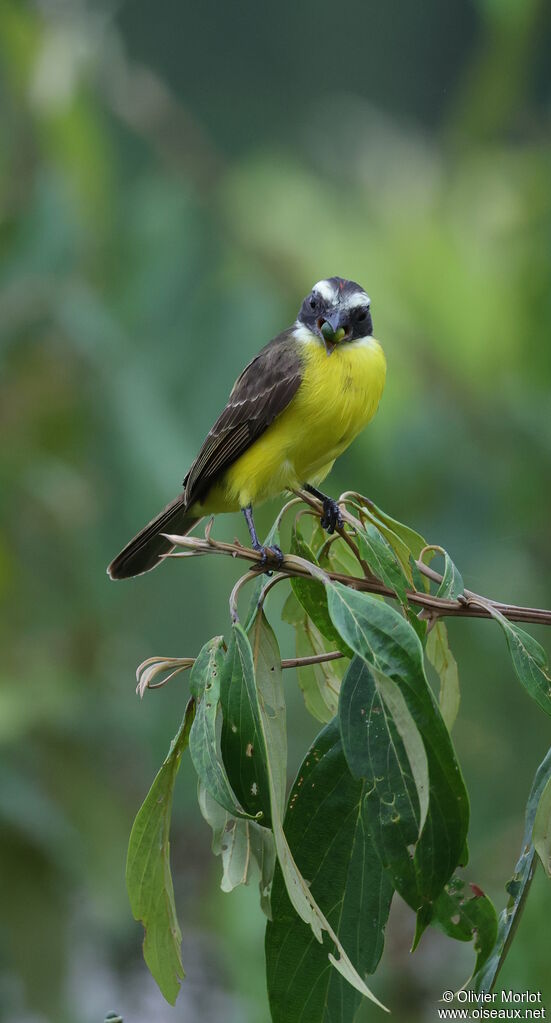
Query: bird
x=293 y=410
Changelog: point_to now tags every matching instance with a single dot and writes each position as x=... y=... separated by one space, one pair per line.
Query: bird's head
x=336 y=311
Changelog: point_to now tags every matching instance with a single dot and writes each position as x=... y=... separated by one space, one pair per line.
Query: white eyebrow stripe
x=358 y=298
x=325 y=289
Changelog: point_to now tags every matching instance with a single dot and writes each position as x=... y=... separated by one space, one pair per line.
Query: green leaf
x=148 y=877
x=312 y=596
x=242 y=742
x=467 y=918
x=529 y=659
x=203 y=739
x=326 y=831
x=271 y=699
x=338 y=557
x=297 y=888
x=320 y=683
x=383 y=746
x=381 y=636
x=379 y=555
x=405 y=541
x=247 y=850
x=452 y=585
x=518 y=887
x=541 y=833
x=440 y=656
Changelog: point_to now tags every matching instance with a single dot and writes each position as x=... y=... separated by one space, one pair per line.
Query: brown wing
x=259 y=395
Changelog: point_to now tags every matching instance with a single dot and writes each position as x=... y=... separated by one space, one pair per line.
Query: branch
x=293 y=566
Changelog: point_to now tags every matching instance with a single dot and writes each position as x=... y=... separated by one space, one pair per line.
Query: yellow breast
x=337 y=397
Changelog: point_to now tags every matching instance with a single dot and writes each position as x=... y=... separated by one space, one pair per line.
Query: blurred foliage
x=171 y=181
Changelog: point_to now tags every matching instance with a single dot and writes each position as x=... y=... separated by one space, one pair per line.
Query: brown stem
x=145 y=678
x=293 y=566
x=301 y=662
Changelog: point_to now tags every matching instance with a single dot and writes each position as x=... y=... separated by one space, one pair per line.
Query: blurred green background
x=173 y=178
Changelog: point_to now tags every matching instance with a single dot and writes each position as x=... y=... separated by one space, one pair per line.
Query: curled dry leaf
x=154 y=667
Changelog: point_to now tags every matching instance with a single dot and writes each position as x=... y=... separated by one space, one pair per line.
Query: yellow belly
x=337 y=397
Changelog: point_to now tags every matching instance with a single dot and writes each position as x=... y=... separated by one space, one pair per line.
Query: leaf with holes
x=247 y=850
x=326 y=831
x=467 y=918
x=297 y=887
x=241 y=739
x=383 y=746
x=384 y=639
x=204 y=745
x=271 y=699
x=148 y=876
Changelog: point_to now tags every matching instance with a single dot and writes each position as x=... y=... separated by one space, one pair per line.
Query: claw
x=267 y=554
x=331 y=518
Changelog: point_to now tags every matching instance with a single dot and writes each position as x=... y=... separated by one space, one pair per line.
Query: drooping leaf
x=312 y=596
x=541 y=833
x=320 y=683
x=518 y=887
x=438 y=651
x=242 y=743
x=204 y=746
x=467 y=918
x=148 y=876
x=381 y=636
x=382 y=560
x=529 y=659
x=247 y=850
x=271 y=698
x=326 y=830
x=297 y=887
x=383 y=747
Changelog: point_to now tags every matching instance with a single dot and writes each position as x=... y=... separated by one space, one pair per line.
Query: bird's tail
x=147 y=548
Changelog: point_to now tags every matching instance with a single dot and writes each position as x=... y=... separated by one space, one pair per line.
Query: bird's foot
x=331 y=518
x=269 y=554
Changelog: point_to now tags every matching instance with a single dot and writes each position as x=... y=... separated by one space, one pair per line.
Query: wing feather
x=259 y=395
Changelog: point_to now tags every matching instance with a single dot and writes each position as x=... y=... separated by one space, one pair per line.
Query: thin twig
x=164 y=663
x=302 y=662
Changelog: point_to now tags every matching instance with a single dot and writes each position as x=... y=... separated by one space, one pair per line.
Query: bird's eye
x=361 y=315
x=312 y=302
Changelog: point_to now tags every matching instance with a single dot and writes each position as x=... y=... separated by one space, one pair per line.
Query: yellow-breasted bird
x=290 y=414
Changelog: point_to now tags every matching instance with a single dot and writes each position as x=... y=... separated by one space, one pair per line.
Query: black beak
x=331 y=326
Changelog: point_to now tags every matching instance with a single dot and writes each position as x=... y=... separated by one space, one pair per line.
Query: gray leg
x=268 y=553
